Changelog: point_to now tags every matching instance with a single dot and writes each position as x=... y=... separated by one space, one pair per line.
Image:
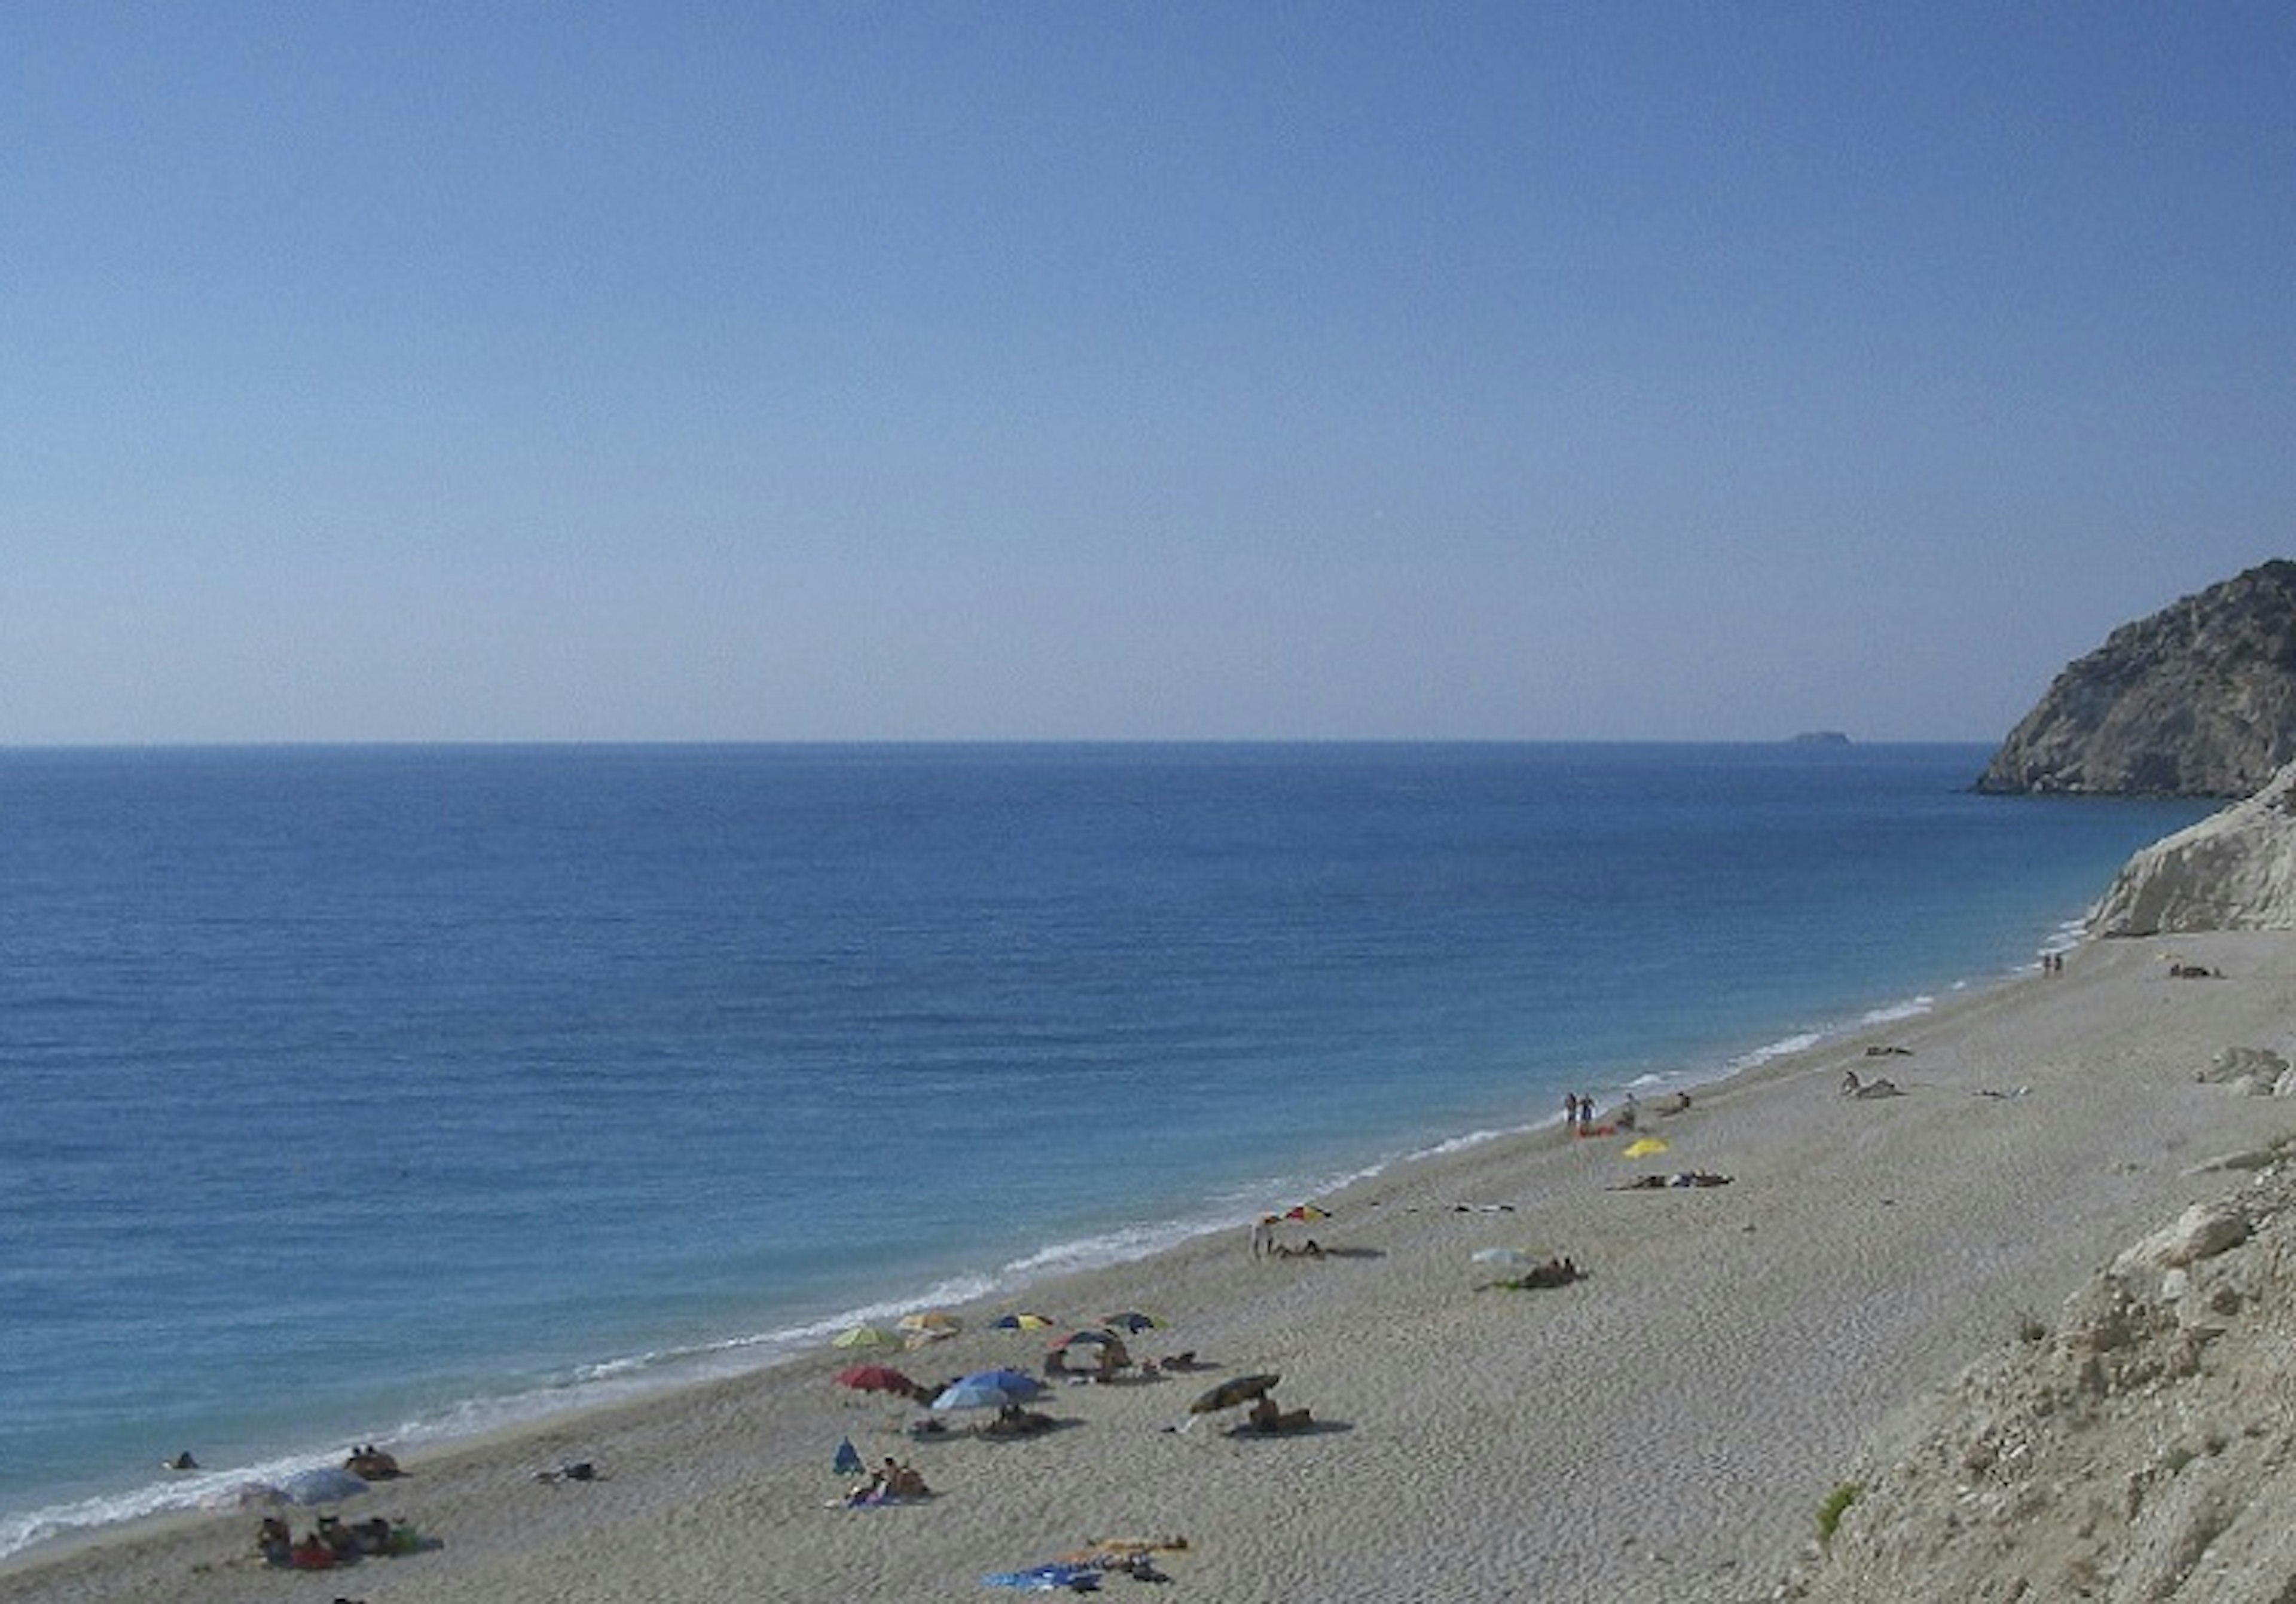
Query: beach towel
x=1047 y=1578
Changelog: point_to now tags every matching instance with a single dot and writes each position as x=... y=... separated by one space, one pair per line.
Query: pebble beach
x=1667 y=1425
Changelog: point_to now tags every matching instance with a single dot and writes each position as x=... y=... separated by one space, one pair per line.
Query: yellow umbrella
x=930 y=1326
x=862 y=1337
x=1644 y=1147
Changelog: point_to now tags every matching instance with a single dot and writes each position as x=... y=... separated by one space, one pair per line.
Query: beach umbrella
x=987 y=1389
x=322 y=1485
x=1307 y=1211
x=864 y=1336
x=1130 y=1320
x=1020 y=1323
x=973 y=1395
x=930 y=1326
x=1648 y=1147
x=1086 y=1340
x=1228 y=1395
x=875 y=1378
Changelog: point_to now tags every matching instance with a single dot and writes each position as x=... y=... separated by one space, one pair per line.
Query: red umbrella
x=875 y=1378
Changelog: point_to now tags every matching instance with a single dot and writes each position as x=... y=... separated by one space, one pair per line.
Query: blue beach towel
x=1047 y=1578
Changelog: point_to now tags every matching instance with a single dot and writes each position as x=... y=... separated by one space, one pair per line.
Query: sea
x=398 y=1093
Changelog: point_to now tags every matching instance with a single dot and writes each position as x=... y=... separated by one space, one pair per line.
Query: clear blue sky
x=661 y=372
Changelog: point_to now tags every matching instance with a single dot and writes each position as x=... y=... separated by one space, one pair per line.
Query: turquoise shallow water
x=392 y=1092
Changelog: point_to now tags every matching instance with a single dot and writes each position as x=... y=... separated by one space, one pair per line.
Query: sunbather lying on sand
x=1553 y=1272
x=1679 y=1178
x=1014 y=1421
x=1265 y=1417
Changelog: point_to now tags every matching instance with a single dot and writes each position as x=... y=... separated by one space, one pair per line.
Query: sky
x=534 y=372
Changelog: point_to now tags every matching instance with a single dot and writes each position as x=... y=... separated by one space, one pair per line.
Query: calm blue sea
x=394 y=1092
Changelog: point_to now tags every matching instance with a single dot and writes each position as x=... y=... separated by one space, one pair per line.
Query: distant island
x=1821 y=738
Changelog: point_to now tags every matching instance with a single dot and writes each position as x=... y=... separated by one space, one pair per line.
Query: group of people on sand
x=1579 y=1112
x=1265 y=1417
x=1013 y=1421
x=370 y=1463
x=892 y=1482
x=334 y=1542
x=1267 y=1245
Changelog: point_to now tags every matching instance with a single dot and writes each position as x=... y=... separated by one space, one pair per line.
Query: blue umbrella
x=973 y=1395
x=987 y=1389
x=324 y=1483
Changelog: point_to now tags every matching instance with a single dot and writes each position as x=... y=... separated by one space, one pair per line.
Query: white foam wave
x=1912 y=1008
x=1462 y=1144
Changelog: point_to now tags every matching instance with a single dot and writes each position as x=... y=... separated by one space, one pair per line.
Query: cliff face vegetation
x=2197 y=700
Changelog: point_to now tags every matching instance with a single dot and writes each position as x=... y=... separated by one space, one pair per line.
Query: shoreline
x=640 y=1380
x=1671 y=1421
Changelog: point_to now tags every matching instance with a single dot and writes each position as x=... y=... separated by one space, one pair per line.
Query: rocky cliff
x=2197 y=700
x=2138 y=1449
x=2233 y=871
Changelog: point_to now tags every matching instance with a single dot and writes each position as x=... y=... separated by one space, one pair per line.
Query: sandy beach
x=1665 y=1427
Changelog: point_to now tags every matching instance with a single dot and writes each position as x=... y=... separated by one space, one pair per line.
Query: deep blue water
x=349 y=1093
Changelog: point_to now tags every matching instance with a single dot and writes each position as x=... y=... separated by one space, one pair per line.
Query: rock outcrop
x=2234 y=870
x=2141 y=1448
x=2197 y=700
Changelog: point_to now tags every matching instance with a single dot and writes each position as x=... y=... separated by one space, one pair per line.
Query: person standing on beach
x=1263 y=1235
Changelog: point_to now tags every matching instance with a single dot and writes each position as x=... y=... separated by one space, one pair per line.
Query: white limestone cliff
x=2234 y=870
